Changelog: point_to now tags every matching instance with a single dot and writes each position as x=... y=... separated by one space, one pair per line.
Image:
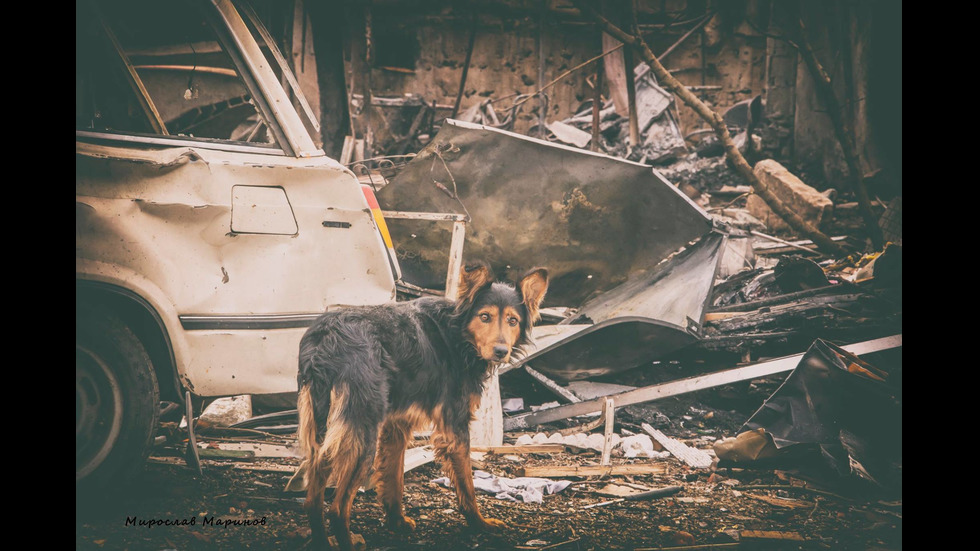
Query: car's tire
x=116 y=401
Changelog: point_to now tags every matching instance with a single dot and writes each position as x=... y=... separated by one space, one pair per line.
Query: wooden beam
x=523 y=448
x=560 y=471
x=455 y=259
x=434 y=216
x=466 y=66
x=597 y=104
x=609 y=412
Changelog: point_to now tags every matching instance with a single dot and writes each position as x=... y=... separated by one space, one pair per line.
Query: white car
x=209 y=228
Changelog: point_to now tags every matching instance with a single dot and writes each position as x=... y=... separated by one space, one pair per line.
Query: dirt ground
x=714 y=510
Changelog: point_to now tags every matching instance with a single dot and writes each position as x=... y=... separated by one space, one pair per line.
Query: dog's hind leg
x=315 y=468
x=350 y=445
x=389 y=476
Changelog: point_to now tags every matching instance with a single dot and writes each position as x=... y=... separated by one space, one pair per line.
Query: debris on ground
x=833 y=410
x=225 y=412
x=814 y=207
x=525 y=489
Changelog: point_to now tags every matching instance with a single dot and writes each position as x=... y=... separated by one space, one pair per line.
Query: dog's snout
x=500 y=352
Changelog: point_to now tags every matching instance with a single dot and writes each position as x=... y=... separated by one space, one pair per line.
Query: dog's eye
x=512 y=322
x=485 y=318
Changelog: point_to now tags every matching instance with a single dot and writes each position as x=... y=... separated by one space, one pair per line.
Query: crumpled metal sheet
x=593 y=220
x=652 y=314
x=839 y=411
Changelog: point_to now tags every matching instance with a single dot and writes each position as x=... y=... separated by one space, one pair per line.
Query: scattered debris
x=811 y=205
x=835 y=409
x=768 y=536
x=692 y=456
x=225 y=412
x=781 y=502
x=685 y=386
x=636 y=446
x=569 y=134
x=651 y=494
x=528 y=489
x=512 y=405
x=561 y=471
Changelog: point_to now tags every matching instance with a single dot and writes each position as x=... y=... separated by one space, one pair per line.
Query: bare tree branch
x=716 y=122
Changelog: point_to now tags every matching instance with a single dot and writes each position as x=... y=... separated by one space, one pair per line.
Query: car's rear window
x=159 y=68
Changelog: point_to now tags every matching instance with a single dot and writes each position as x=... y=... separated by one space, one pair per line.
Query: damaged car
x=210 y=229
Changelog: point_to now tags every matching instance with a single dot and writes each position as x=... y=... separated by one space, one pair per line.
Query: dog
x=369 y=375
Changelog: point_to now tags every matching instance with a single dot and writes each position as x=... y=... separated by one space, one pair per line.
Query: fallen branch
x=717 y=123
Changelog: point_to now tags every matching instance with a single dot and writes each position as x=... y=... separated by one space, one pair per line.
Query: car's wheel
x=116 y=400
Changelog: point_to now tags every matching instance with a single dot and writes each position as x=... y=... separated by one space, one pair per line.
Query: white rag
x=529 y=490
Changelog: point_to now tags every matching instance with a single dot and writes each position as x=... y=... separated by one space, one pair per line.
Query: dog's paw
x=493 y=524
x=400 y=523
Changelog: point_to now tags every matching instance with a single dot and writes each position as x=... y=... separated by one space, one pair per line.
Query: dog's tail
x=309 y=444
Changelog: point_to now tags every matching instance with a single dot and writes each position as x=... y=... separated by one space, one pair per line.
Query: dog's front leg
x=452 y=448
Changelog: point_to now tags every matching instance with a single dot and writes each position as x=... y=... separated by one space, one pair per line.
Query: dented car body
x=210 y=230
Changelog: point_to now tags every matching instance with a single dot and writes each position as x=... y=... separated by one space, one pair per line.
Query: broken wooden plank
x=257 y=449
x=692 y=456
x=715 y=316
x=164 y=460
x=782 y=299
x=416 y=457
x=551 y=385
x=691 y=384
x=768 y=536
x=265 y=467
x=649 y=494
x=620 y=490
x=587 y=390
x=733 y=545
x=523 y=448
x=609 y=412
x=792 y=314
x=212 y=453
x=783 y=502
x=782 y=246
x=559 y=471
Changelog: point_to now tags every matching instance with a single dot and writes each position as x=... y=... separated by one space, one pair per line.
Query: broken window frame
x=263 y=33
x=290 y=134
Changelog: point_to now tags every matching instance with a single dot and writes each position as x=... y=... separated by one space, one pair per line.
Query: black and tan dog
x=369 y=375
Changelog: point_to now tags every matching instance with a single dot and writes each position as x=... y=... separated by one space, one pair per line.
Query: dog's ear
x=473 y=278
x=533 y=286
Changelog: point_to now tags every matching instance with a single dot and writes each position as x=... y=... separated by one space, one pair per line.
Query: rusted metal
x=590 y=218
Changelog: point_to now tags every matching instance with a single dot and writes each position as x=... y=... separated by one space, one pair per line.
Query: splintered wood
x=692 y=456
